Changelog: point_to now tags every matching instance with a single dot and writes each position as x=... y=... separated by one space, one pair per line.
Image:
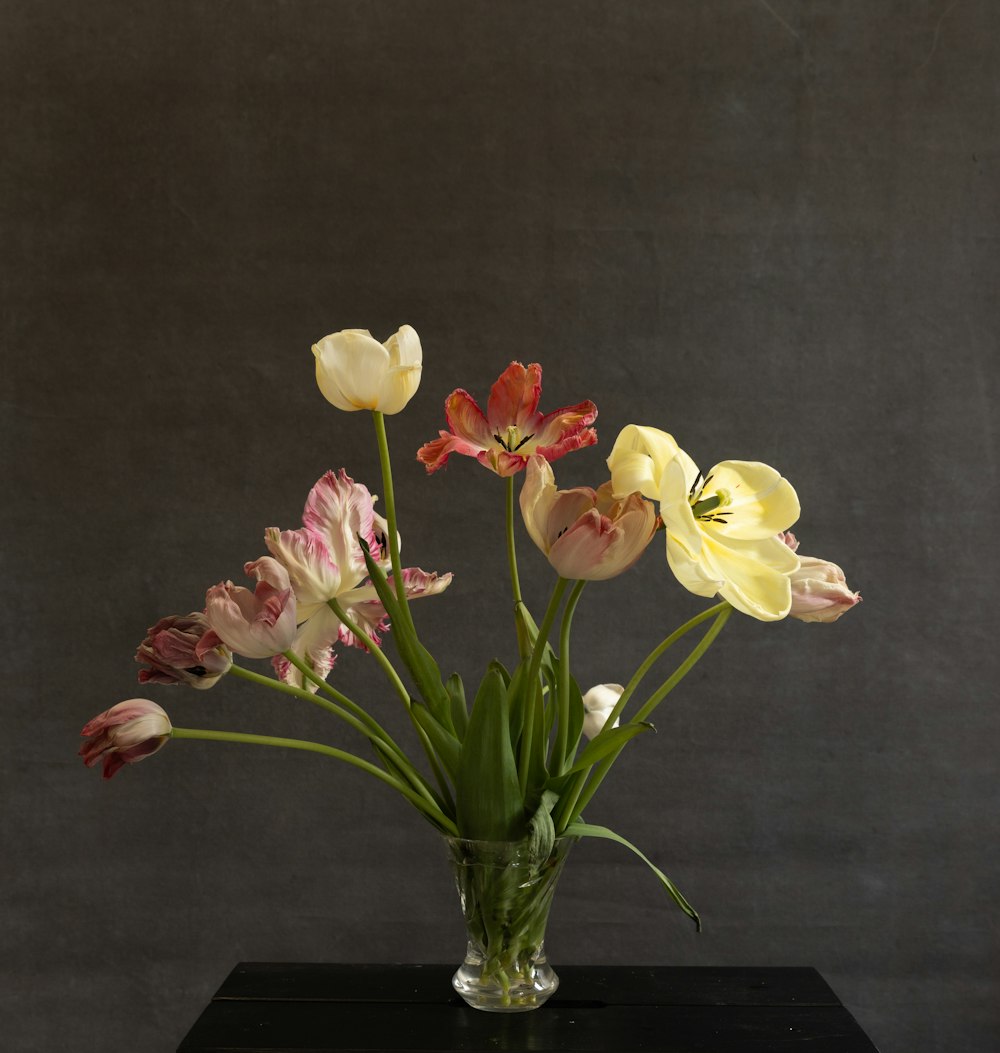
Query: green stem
x=434 y=814
x=515 y=582
x=656 y=654
x=531 y=685
x=373 y=649
x=390 y=513
x=379 y=737
x=562 y=726
x=400 y=687
x=580 y=795
x=685 y=667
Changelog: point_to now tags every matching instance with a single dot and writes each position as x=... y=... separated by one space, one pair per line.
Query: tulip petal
x=313 y=644
x=338 y=510
x=514 y=397
x=750 y=584
x=638 y=458
x=312 y=573
x=758 y=501
x=350 y=366
x=466 y=420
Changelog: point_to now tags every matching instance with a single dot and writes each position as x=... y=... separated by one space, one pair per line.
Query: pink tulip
x=586 y=534
x=819 y=591
x=183 y=649
x=512 y=429
x=124 y=734
x=325 y=561
x=255 y=624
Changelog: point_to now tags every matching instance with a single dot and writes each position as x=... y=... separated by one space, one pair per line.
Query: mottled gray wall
x=768 y=227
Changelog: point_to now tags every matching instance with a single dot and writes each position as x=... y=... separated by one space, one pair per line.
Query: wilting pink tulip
x=255 y=624
x=183 y=649
x=586 y=534
x=325 y=561
x=512 y=429
x=124 y=734
x=819 y=591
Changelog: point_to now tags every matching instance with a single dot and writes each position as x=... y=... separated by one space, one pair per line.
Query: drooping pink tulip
x=586 y=534
x=325 y=561
x=512 y=429
x=255 y=624
x=820 y=592
x=124 y=734
x=183 y=649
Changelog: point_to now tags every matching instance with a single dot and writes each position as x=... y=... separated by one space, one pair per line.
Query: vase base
x=518 y=995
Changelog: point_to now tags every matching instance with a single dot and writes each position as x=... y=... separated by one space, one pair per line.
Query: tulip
x=598 y=703
x=355 y=372
x=255 y=624
x=124 y=734
x=325 y=561
x=721 y=528
x=183 y=649
x=586 y=534
x=721 y=533
x=512 y=429
x=819 y=591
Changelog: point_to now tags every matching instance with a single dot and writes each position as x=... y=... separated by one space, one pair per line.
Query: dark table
x=279 y=1008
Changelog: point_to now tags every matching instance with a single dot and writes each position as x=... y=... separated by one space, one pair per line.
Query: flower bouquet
x=508 y=768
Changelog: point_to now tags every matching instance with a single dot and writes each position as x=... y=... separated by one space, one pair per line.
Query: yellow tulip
x=721 y=528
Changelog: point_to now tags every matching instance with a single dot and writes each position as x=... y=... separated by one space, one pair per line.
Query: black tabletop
x=322 y=1008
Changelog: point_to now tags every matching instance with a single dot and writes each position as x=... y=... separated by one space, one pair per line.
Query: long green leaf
x=446 y=745
x=588 y=830
x=489 y=801
x=418 y=659
x=598 y=748
x=459 y=707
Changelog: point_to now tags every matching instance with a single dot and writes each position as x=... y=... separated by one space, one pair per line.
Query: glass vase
x=506 y=890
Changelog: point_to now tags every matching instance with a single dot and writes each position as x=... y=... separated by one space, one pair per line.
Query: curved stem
x=373 y=649
x=434 y=814
x=657 y=653
x=579 y=796
x=400 y=687
x=685 y=667
x=379 y=737
x=562 y=725
x=390 y=513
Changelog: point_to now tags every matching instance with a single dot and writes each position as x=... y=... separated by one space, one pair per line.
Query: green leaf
x=446 y=745
x=541 y=829
x=459 y=707
x=607 y=742
x=489 y=802
x=418 y=659
x=588 y=830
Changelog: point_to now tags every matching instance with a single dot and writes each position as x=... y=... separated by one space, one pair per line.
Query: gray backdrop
x=769 y=227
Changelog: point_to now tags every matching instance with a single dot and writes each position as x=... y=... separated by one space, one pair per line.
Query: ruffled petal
x=338 y=511
x=466 y=420
x=312 y=573
x=514 y=398
x=750 y=584
x=313 y=644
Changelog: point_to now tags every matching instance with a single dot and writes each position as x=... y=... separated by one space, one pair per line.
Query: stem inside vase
x=506 y=891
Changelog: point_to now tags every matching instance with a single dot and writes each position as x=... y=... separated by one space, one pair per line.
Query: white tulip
x=355 y=372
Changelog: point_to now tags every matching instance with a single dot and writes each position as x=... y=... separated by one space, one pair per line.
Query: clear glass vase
x=506 y=890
